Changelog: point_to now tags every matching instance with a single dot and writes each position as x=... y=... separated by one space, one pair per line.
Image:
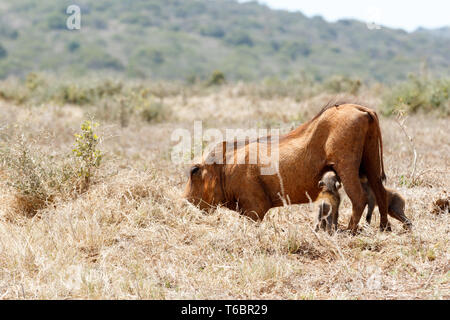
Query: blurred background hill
x=188 y=40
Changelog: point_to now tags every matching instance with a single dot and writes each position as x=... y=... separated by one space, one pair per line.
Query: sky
x=402 y=14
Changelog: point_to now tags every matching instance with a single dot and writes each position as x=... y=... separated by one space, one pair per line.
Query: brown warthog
x=328 y=202
x=344 y=138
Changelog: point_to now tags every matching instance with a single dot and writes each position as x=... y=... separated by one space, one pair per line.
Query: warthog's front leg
x=254 y=203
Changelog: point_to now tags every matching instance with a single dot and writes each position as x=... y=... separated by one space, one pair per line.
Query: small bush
x=340 y=84
x=213 y=31
x=81 y=95
x=74 y=94
x=152 y=111
x=33 y=81
x=239 y=39
x=36 y=177
x=39 y=178
x=217 y=79
x=56 y=21
x=419 y=94
x=88 y=156
x=73 y=46
x=3 y=52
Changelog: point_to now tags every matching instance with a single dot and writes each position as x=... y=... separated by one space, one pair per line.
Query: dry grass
x=130 y=236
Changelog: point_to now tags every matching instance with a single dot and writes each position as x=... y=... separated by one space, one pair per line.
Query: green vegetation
x=123 y=101
x=3 y=52
x=40 y=177
x=217 y=78
x=88 y=156
x=177 y=40
x=419 y=94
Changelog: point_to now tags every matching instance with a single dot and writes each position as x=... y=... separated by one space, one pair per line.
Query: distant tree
x=275 y=45
x=8 y=32
x=328 y=33
x=296 y=49
x=73 y=46
x=155 y=56
x=100 y=24
x=213 y=31
x=239 y=38
x=105 y=62
x=190 y=8
x=139 y=19
x=56 y=21
x=3 y=52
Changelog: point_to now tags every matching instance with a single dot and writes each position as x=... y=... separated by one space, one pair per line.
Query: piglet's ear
x=338 y=185
x=321 y=184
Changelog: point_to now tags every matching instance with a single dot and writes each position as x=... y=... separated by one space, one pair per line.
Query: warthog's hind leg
x=354 y=190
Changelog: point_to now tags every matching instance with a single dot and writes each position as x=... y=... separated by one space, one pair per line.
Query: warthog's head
x=205 y=186
x=330 y=182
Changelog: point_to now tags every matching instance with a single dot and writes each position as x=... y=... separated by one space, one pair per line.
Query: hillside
x=443 y=32
x=183 y=40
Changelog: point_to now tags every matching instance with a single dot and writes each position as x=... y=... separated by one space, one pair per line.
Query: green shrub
x=213 y=31
x=239 y=38
x=153 y=112
x=33 y=81
x=74 y=94
x=56 y=21
x=88 y=156
x=217 y=79
x=296 y=49
x=14 y=92
x=108 y=88
x=8 y=32
x=40 y=178
x=3 y=52
x=338 y=84
x=37 y=177
x=73 y=46
x=418 y=94
x=138 y=19
x=147 y=108
x=105 y=62
x=440 y=96
x=82 y=94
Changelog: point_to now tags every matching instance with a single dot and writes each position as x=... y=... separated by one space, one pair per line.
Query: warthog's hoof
x=408 y=225
x=386 y=228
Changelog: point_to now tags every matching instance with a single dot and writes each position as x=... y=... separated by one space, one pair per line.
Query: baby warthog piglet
x=396 y=203
x=328 y=202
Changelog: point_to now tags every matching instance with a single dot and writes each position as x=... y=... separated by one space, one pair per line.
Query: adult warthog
x=345 y=138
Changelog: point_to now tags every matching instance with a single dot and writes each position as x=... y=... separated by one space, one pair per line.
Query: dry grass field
x=131 y=236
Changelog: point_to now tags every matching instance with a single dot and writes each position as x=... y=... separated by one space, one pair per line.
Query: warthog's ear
x=321 y=184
